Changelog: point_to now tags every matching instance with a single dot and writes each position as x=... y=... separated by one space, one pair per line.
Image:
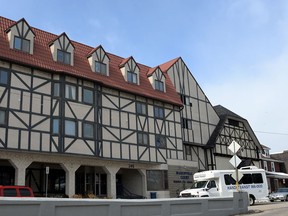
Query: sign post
x=235 y=160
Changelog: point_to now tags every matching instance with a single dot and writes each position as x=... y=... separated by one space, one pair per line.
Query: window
x=157 y=180
x=3 y=77
x=257 y=178
x=142 y=138
x=272 y=167
x=100 y=68
x=55 y=126
x=233 y=122
x=186 y=123
x=10 y=192
x=88 y=130
x=24 y=192
x=161 y=141
x=131 y=77
x=211 y=184
x=87 y=96
x=56 y=89
x=159 y=85
x=21 y=44
x=70 y=128
x=141 y=108
x=185 y=100
x=229 y=180
x=158 y=112
x=63 y=57
x=265 y=165
x=188 y=150
x=70 y=92
x=3 y=117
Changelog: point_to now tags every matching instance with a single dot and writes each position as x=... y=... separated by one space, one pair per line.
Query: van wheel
x=251 y=200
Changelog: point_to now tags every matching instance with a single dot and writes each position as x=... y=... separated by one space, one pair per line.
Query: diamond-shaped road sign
x=235 y=161
x=234 y=176
x=234 y=147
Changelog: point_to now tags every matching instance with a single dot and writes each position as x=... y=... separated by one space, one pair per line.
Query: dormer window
x=63 y=57
x=21 y=44
x=157 y=79
x=100 y=68
x=159 y=85
x=132 y=77
x=130 y=70
x=62 y=50
x=99 y=61
x=21 y=37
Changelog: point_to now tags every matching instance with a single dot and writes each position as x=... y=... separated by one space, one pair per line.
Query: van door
x=213 y=189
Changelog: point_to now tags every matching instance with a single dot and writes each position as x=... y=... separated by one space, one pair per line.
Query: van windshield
x=199 y=184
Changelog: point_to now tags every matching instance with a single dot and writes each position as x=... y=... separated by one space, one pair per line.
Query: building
x=92 y=122
x=280 y=161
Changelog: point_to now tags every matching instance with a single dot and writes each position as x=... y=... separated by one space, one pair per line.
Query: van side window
x=257 y=178
x=10 y=192
x=229 y=180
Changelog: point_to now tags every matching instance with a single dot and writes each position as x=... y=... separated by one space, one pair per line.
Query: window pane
x=88 y=130
x=24 y=192
x=3 y=77
x=131 y=77
x=2 y=117
x=157 y=180
x=67 y=57
x=56 y=89
x=159 y=85
x=60 y=56
x=100 y=68
x=25 y=45
x=70 y=128
x=70 y=92
x=10 y=192
x=141 y=108
x=160 y=141
x=17 y=43
x=55 y=129
x=87 y=96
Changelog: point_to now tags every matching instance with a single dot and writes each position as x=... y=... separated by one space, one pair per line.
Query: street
x=268 y=208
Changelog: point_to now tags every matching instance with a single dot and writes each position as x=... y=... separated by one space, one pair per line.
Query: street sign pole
x=46 y=186
x=235 y=160
x=236 y=170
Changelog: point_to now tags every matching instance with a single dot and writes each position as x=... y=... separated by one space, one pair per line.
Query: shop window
x=157 y=180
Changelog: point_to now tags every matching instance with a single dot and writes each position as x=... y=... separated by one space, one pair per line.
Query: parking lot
x=268 y=208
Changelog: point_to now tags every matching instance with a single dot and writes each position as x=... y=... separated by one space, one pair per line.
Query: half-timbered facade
x=95 y=123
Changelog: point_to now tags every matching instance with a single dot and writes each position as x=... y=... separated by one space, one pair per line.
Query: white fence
x=106 y=207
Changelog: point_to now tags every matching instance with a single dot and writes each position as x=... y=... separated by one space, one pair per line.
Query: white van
x=215 y=183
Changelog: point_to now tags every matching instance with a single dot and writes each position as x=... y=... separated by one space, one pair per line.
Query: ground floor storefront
x=74 y=176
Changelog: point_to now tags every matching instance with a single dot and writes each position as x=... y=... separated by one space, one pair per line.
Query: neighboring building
x=104 y=124
x=281 y=162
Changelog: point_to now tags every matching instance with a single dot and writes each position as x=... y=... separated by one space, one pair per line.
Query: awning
x=277 y=175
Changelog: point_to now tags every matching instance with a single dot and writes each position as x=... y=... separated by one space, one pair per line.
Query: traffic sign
x=235 y=161
x=234 y=147
x=234 y=176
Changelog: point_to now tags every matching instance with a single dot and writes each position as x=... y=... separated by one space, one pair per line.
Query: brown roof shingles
x=42 y=59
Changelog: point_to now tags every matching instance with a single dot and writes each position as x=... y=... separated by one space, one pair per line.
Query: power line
x=274 y=133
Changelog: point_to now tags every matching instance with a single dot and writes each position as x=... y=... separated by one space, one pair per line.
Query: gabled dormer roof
x=125 y=61
x=16 y=23
x=95 y=49
x=153 y=70
x=60 y=36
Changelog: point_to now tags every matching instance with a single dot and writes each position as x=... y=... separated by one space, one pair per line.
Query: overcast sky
x=236 y=49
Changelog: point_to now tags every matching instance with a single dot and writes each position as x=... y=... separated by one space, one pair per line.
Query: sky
x=237 y=50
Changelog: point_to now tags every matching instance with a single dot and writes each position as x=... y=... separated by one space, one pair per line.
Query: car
x=280 y=194
x=15 y=191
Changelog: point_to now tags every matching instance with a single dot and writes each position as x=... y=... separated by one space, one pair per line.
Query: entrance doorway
x=7 y=173
x=91 y=180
